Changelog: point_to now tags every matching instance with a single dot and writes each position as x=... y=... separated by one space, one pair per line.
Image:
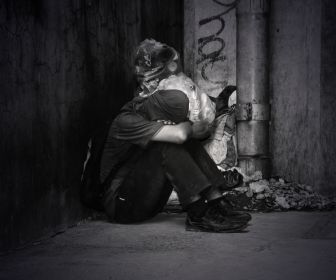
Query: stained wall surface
x=328 y=95
x=295 y=34
x=302 y=56
x=66 y=68
x=301 y=60
x=210 y=44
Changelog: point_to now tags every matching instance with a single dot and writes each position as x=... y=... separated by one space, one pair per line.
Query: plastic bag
x=221 y=145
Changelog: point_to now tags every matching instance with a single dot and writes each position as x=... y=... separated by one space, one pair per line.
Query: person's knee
x=161 y=145
x=165 y=147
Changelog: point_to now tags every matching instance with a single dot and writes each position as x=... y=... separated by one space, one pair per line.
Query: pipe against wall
x=252 y=87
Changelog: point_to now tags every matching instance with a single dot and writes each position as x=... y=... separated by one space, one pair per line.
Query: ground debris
x=274 y=194
x=278 y=195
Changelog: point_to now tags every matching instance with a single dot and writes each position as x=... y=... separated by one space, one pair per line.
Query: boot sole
x=198 y=227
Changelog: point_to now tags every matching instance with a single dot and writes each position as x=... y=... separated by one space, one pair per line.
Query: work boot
x=212 y=220
x=233 y=179
x=215 y=198
x=224 y=207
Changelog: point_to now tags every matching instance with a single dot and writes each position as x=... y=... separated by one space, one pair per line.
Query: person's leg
x=147 y=186
x=219 y=184
x=146 y=189
x=209 y=167
x=186 y=166
x=186 y=175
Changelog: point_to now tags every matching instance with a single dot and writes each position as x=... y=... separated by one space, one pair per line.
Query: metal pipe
x=252 y=87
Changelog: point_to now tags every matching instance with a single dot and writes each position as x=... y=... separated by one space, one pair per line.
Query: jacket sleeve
x=133 y=127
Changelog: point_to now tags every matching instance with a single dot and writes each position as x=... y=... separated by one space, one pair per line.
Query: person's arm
x=132 y=127
x=177 y=134
x=135 y=128
x=181 y=132
x=200 y=130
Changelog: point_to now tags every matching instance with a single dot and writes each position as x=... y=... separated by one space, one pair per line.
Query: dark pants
x=148 y=183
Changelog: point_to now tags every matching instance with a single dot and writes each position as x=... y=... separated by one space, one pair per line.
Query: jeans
x=145 y=186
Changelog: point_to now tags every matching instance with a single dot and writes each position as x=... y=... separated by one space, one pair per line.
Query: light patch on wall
x=215 y=45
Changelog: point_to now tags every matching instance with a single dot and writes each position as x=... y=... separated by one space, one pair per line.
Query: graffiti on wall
x=211 y=47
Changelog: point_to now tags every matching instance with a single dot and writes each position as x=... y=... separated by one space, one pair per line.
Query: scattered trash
x=260 y=186
x=278 y=195
x=271 y=195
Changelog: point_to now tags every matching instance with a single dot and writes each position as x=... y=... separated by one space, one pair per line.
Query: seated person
x=151 y=148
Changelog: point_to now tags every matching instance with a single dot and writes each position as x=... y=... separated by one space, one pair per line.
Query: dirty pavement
x=278 y=245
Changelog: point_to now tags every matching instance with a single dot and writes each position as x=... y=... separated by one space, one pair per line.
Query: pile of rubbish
x=275 y=194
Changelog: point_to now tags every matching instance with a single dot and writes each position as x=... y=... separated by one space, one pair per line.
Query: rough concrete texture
x=295 y=89
x=66 y=69
x=328 y=96
x=210 y=43
x=292 y=246
x=303 y=42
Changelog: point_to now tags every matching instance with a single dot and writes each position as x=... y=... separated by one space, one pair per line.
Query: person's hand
x=166 y=122
x=201 y=130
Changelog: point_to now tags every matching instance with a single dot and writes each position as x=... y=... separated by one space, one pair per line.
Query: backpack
x=91 y=189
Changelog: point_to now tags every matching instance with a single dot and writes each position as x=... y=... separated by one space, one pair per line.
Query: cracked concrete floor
x=288 y=245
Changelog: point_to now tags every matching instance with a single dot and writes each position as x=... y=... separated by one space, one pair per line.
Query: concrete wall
x=302 y=56
x=295 y=49
x=328 y=96
x=58 y=69
x=163 y=21
x=66 y=67
x=210 y=43
x=302 y=78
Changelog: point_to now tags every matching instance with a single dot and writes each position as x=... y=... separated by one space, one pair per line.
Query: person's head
x=172 y=105
x=155 y=61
